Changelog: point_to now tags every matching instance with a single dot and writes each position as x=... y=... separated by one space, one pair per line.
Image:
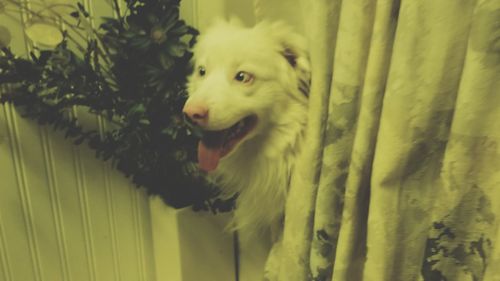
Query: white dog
x=248 y=93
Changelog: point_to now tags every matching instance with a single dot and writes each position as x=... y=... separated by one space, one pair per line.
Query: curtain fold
x=400 y=177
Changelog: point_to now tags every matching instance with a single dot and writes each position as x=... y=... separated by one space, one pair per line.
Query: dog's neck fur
x=259 y=170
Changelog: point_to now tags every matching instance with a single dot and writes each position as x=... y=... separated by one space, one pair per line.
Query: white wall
x=63 y=214
x=200 y=13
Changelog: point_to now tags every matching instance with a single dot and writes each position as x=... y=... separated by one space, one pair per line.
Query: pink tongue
x=208 y=158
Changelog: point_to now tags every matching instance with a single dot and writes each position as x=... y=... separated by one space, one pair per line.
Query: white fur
x=259 y=168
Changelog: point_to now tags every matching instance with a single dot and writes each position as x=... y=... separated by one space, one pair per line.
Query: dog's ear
x=293 y=47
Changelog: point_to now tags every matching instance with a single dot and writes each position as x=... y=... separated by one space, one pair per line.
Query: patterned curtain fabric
x=400 y=177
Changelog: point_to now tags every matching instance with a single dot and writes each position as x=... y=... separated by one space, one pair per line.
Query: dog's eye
x=243 y=77
x=201 y=71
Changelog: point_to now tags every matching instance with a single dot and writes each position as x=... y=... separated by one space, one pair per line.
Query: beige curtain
x=400 y=179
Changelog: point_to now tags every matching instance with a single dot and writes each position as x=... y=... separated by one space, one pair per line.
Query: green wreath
x=131 y=71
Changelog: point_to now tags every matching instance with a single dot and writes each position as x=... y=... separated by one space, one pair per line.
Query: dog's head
x=241 y=77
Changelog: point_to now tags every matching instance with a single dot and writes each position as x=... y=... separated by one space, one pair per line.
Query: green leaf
x=144 y=121
x=166 y=61
x=137 y=109
x=180 y=30
x=177 y=49
x=140 y=42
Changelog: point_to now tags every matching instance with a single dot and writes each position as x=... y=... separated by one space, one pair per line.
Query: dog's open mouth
x=216 y=144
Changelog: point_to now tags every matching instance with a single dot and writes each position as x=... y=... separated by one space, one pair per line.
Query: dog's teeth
x=237 y=129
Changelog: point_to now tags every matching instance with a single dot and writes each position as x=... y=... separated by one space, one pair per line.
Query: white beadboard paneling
x=4 y=261
x=68 y=180
x=110 y=211
x=115 y=258
x=138 y=236
x=55 y=204
x=127 y=250
x=65 y=215
x=83 y=204
x=6 y=168
x=23 y=215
